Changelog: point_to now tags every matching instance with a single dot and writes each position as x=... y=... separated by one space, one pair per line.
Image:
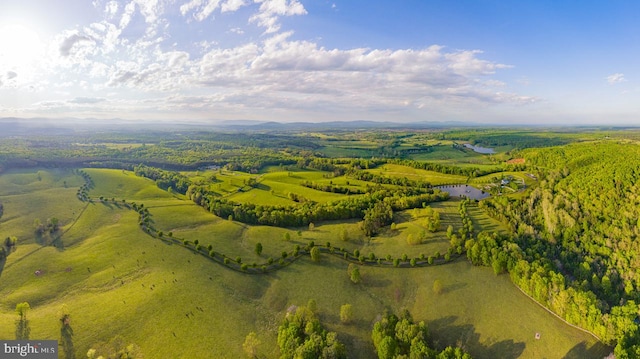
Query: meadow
x=115 y=280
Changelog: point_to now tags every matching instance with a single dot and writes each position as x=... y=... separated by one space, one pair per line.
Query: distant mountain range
x=13 y=126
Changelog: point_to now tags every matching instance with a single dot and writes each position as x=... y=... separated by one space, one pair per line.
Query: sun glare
x=20 y=47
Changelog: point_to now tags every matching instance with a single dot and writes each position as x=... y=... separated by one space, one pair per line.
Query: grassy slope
x=198 y=309
x=435 y=178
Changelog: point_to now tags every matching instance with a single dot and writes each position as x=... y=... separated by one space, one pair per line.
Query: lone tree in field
x=354 y=273
x=258 y=248
x=315 y=254
x=344 y=235
x=346 y=313
x=10 y=244
x=23 y=329
x=66 y=336
x=437 y=286
x=250 y=345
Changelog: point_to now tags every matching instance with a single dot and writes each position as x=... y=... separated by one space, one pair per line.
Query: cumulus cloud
x=71 y=40
x=271 y=10
x=207 y=10
x=279 y=68
x=129 y=9
x=190 y=6
x=150 y=9
x=615 y=78
x=133 y=54
x=232 y=5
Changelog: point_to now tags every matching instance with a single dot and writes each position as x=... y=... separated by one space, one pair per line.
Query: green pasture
x=30 y=195
x=274 y=188
x=226 y=182
x=336 y=152
x=483 y=222
x=400 y=171
x=114 y=279
x=452 y=155
x=342 y=148
x=412 y=222
x=123 y=184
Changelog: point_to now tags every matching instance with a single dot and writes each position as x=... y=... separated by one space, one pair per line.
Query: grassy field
x=115 y=280
x=435 y=178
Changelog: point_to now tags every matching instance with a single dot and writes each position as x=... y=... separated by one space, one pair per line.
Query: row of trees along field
x=448 y=169
x=575 y=247
x=307 y=212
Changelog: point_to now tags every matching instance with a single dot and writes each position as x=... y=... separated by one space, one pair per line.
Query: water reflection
x=483 y=150
x=463 y=190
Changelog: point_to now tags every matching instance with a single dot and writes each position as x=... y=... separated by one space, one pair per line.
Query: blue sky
x=520 y=62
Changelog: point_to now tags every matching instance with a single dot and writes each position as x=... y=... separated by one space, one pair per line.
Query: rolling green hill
x=115 y=280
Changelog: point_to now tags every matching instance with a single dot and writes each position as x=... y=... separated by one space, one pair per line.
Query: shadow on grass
x=580 y=351
x=402 y=217
x=3 y=261
x=445 y=333
x=453 y=287
x=356 y=346
x=376 y=282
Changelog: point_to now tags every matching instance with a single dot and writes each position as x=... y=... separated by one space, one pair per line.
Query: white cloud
x=300 y=74
x=177 y=58
x=111 y=9
x=232 y=5
x=209 y=8
x=150 y=9
x=87 y=100
x=128 y=13
x=149 y=67
x=615 y=78
x=190 y=6
x=73 y=40
x=271 y=10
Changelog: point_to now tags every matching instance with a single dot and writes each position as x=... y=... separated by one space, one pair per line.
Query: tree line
x=309 y=211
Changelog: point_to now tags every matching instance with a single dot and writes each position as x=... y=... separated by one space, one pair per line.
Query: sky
x=485 y=61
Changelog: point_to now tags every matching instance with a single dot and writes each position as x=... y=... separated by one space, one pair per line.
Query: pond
x=460 y=190
x=483 y=150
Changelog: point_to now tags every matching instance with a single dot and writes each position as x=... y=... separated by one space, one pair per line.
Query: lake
x=459 y=190
x=483 y=150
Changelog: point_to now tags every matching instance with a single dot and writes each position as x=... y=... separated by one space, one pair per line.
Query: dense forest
x=575 y=246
